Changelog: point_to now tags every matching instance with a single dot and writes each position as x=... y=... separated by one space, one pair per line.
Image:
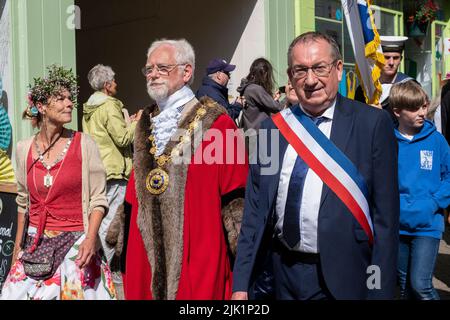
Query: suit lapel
x=341 y=130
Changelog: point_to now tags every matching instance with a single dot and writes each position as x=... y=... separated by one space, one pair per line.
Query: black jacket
x=445 y=111
x=218 y=93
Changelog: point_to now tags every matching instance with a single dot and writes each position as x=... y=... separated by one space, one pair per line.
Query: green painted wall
x=304 y=16
x=41 y=35
x=279 y=15
x=285 y=19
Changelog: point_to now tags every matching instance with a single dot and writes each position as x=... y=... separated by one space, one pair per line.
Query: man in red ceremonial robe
x=186 y=190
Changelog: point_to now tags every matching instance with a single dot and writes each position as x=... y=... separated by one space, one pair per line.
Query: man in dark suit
x=317 y=247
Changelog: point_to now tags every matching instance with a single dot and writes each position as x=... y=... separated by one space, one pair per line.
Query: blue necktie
x=291 y=221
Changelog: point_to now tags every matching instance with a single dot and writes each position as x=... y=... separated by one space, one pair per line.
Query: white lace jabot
x=166 y=123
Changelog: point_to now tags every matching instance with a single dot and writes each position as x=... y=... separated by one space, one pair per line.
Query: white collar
x=328 y=113
x=177 y=99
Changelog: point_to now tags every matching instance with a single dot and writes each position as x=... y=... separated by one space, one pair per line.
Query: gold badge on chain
x=157 y=181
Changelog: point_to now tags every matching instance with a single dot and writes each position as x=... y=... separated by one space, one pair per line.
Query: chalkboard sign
x=8 y=227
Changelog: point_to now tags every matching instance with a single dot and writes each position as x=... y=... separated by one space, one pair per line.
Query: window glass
x=349 y=56
x=330 y=9
x=387 y=24
x=332 y=29
x=390 y=4
x=384 y=21
x=351 y=80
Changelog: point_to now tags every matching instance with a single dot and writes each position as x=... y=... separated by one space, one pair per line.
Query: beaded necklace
x=48 y=178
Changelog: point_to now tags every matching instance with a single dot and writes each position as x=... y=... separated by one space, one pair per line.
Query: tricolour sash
x=328 y=162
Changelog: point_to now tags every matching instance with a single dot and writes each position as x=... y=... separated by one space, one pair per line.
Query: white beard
x=158 y=93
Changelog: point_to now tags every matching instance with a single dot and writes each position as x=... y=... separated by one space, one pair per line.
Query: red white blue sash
x=328 y=162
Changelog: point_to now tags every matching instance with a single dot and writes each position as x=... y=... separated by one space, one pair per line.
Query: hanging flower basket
x=418 y=29
x=419 y=21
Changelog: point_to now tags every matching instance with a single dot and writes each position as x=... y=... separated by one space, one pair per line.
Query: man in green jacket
x=104 y=120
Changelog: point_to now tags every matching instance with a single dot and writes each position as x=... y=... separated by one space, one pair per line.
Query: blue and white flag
x=366 y=47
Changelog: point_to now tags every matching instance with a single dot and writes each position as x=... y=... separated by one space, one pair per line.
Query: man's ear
x=289 y=75
x=220 y=76
x=396 y=112
x=339 y=69
x=187 y=73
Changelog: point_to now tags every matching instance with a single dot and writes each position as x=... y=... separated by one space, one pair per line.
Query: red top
x=206 y=271
x=59 y=207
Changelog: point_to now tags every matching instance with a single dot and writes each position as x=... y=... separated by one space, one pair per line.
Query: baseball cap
x=219 y=65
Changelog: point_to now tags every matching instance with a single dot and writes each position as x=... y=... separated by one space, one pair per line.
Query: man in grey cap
x=393 y=54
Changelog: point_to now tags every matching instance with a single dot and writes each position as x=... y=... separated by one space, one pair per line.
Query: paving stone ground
x=441 y=280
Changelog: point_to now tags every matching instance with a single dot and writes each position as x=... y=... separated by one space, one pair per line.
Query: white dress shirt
x=166 y=123
x=312 y=193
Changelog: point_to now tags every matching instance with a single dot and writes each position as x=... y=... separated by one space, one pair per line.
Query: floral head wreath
x=58 y=79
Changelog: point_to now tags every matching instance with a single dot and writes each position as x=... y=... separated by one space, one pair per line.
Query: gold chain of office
x=158 y=179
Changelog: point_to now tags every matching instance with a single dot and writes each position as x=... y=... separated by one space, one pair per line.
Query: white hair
x=99 y=75
x=184 y=53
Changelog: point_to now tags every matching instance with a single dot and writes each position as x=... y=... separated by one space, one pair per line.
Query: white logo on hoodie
x=426 y=160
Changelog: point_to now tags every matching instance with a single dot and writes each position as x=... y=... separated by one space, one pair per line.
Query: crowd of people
x=334 y=199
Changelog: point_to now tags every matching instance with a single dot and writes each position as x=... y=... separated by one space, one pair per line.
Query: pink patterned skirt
x=69 y=282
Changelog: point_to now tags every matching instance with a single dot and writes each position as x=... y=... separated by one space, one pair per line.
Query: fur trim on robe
x=115 y=235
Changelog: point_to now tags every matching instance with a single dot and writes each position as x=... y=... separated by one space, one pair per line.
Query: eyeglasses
x=321 y=70
x=227 y=74
x=161 y=69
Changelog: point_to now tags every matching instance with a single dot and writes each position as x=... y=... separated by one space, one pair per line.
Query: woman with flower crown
x=61 y=202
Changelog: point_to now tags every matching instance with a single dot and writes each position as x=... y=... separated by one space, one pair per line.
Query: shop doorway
x=118 y=33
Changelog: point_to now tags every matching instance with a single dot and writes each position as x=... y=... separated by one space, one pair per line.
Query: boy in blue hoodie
x=424 y=185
